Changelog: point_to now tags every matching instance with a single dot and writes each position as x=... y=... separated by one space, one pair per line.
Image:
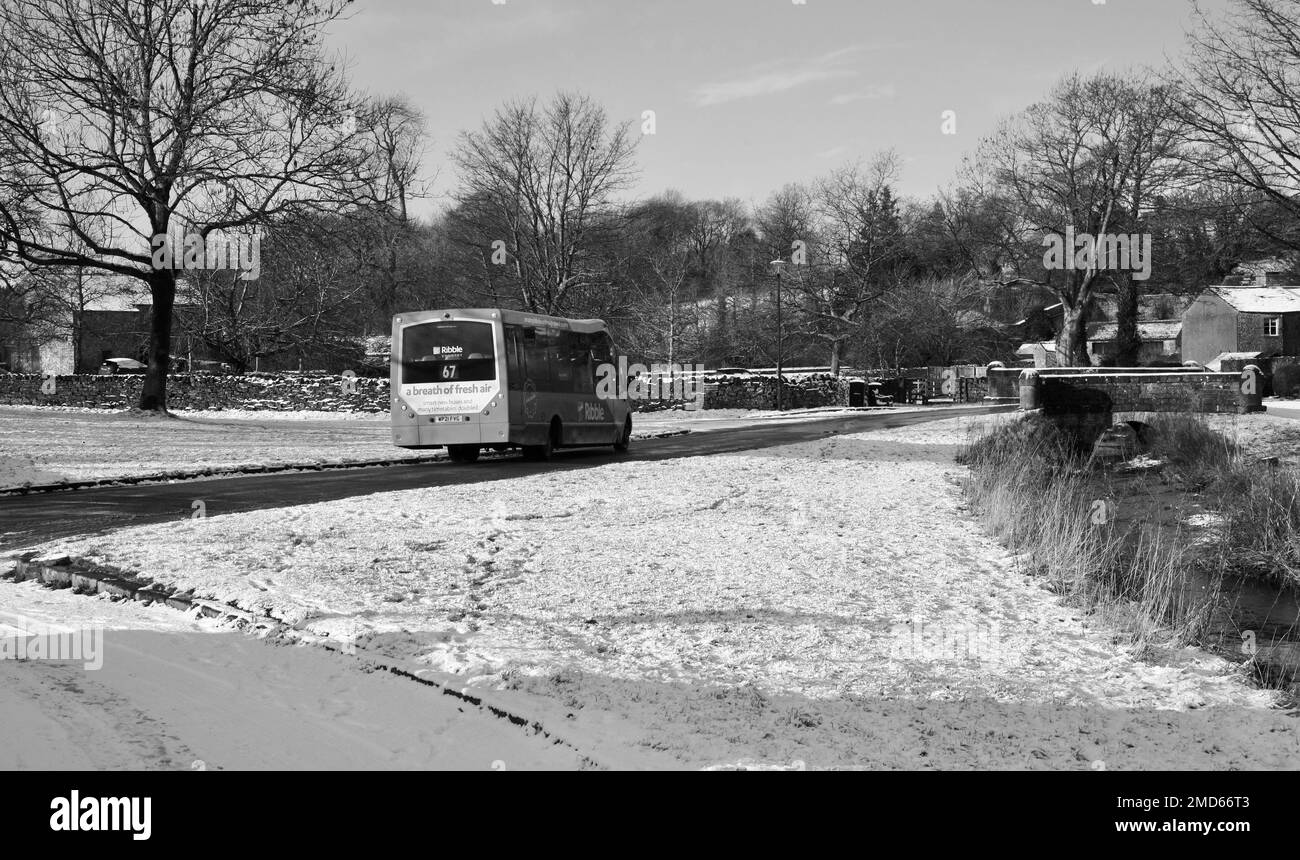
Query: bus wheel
x=463 y=453
x=542 y=453
x=625 y=438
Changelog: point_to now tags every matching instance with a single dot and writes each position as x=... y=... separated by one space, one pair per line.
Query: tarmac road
x=33 y=519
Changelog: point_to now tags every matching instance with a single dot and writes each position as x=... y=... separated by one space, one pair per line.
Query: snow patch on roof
x=1216 y=363
x=1260 y=300
x=1153 y=330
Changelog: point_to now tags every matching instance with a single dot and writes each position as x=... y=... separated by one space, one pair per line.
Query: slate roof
x=1260 y=300
x=1153 y=330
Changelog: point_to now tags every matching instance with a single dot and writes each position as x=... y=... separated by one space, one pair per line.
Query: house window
x=1274 y=327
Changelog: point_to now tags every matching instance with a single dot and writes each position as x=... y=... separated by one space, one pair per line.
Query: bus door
x=592 y=413
x=515 y=376
x=531 y=410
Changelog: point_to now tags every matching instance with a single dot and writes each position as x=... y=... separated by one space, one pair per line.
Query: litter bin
x=857 y=394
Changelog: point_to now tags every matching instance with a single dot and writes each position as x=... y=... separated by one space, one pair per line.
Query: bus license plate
x=446 y=419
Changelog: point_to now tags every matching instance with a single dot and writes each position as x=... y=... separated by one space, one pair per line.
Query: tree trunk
x=78 y=320
x=162 y=288
x=672 y=328
x=835 y=357
x=1072 y=343
x=1127 y=343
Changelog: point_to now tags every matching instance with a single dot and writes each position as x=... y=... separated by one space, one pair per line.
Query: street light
x=776 y=268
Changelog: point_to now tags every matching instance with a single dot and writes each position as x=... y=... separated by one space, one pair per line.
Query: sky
x=749 y=95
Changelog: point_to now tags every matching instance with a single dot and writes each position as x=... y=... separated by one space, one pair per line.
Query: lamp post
x=777 y=265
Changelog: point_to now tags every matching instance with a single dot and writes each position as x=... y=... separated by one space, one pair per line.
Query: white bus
x=474 y=378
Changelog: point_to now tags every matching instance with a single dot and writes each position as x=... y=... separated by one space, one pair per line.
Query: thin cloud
x=769 y=79
x=882 y=91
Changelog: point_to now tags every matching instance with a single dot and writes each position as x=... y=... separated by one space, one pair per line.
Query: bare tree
x=1241 y=82
x=543 y=180
x=863 y=245
x=394 y=139
x=1150 y=140
x=384 y=241
x=1080 y=162
x=123 y=121
x=935 y=321
x=661 y=254
x=308 y=302
x=28 y=296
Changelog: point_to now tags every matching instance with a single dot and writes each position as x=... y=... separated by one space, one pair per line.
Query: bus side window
x=560 y=351
x=602 y=348
x=537 y=367
x=514 y=359
x=584 y=368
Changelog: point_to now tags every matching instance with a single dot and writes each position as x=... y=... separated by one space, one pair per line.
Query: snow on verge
x=816 y=584
x=18 y=470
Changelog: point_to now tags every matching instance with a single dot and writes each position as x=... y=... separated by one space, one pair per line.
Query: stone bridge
x=1083 y=400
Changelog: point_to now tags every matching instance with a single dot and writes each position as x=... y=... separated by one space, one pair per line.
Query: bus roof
x=510 y=317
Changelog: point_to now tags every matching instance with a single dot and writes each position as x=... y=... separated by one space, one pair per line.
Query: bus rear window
x=448 y=351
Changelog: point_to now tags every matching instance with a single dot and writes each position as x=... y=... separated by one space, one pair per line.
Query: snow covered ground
x=181 y=694
x=19 y=469
x=828 y=603
x=103 y=444
x=48 y=444
x=1275 y=433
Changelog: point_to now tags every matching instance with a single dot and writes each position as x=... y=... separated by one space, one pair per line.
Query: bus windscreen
x=448 y=351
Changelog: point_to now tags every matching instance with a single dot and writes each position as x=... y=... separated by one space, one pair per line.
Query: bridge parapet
x=1082 y=401
x=1142 y=390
